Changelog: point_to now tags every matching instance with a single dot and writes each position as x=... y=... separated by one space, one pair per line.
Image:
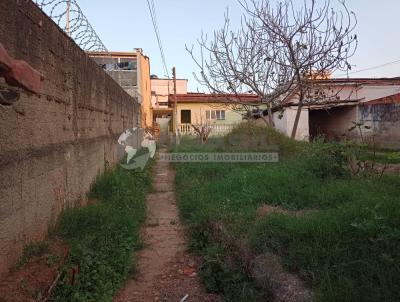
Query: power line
x=159 y=39
x=371 y=68
x=153 y=15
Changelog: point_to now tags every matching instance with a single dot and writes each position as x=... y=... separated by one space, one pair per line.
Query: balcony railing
x=217 y=129
x=125 y=78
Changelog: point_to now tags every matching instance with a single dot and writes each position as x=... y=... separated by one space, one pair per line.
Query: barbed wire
x=70 y=18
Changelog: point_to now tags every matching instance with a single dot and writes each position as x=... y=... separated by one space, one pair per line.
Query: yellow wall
x=145 y=90
x=198 y=113
x=143 y=82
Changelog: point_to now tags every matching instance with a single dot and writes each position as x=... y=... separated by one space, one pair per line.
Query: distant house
x=132 y=71
x=222 y=112
x=374 y=103
x=161 y=89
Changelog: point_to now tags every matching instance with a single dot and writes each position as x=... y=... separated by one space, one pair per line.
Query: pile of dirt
x=392 y=169
x=34 y=278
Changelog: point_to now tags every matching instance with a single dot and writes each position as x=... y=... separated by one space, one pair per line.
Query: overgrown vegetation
x=346 y=245
x=388 y=157
x=35 y=249
x=103 y=236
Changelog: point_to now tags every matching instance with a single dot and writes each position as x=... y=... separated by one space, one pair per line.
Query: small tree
x=202 y=130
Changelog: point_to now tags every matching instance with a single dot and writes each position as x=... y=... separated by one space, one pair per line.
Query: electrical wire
x=153 y=15
x=371 y=68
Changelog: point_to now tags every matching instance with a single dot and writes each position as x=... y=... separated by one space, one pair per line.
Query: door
x=186 y=117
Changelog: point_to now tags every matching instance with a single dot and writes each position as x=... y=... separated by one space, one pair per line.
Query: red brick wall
x=52 y=144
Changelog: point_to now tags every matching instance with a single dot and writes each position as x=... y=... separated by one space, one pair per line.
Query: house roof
x=353 y=81
x=112 y=54
x=391 y=99
x=216 y=98
x=165 y=79
x=118 y=54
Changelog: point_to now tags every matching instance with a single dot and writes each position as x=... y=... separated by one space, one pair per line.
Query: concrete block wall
x=52 y=144
x=384 y=123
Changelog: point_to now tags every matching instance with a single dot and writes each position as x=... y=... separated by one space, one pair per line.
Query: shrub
x=325 y=159
x=102 y=237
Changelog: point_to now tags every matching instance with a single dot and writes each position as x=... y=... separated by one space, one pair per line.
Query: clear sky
x=126 y=24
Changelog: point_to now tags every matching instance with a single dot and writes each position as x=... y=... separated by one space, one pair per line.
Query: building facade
x=372 y=103
x=132 y=71
x=220 y=112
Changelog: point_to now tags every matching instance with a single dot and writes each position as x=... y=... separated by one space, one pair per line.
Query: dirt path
x=166 y=271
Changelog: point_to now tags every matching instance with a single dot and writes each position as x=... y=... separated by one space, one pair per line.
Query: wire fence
x=69 y=17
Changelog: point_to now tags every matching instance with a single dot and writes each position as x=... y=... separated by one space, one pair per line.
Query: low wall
x=52 y=144
x=384 y=123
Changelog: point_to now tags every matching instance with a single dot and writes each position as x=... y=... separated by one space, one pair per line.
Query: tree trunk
x=270 y=117
x=270 y=120
x=266 y=120
x=297 y=119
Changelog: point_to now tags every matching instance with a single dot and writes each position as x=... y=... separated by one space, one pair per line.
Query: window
x=127 y=64
x=220 y=114
x=186 y=117
x=215 y=115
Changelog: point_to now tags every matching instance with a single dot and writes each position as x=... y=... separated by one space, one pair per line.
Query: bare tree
x=280 y=50
x=202 y=130
x=236 y=63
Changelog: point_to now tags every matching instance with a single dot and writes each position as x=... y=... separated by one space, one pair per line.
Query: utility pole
x=68 y=17
x=177 y=141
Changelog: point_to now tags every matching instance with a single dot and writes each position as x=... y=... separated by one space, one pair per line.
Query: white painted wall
x=285 y=124
x=351 y=91
x=369 y=93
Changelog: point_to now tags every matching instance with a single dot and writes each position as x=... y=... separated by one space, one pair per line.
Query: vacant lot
x=339 y=232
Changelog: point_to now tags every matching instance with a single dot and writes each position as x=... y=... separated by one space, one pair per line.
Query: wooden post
x=177 y=140
x=68 y=18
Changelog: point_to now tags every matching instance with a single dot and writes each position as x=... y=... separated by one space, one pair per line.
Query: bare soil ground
x=33 y=280
x=266 y=210
x=167 y=272
x=393 y=169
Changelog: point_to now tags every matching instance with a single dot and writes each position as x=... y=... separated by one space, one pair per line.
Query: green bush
x=227 y=279
x=33 y=249
x=325 y=160
x=103 y=236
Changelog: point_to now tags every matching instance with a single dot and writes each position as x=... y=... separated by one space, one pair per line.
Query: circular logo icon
x=135 y=147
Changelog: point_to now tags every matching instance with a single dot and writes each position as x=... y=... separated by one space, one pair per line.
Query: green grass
x=382 y=157
x=35 y=249
x=347 y=254
x=346 y=249
x=103 y=236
